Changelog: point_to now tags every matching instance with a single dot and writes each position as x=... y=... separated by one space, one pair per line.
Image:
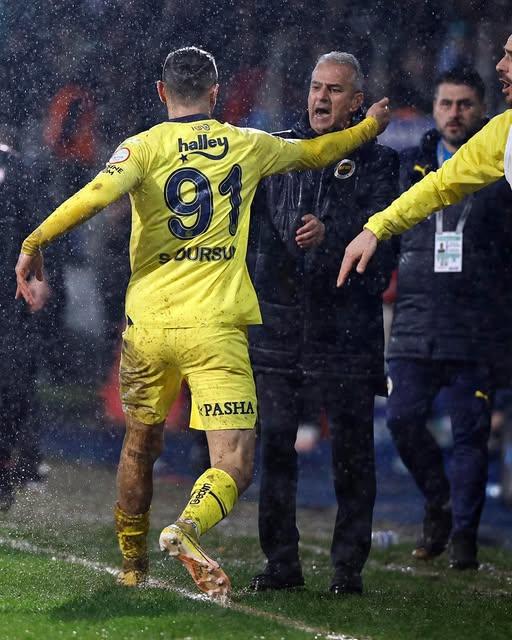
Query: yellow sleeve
x=476 y=164
x=278 y=155
x=123 y=172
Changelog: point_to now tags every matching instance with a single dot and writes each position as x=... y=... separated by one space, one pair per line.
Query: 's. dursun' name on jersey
x=202 y=254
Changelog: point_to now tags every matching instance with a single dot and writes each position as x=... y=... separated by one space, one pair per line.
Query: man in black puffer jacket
x=315 y=336
x=450 y=328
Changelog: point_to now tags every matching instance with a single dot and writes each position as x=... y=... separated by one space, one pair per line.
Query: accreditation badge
x=448 y=252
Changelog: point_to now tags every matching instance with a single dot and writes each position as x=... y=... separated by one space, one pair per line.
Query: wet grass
x=41 y=597
x=45 y=597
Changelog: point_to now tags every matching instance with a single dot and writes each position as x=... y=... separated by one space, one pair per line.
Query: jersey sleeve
x=279 y=155
x=476 y=164
x=124 y=171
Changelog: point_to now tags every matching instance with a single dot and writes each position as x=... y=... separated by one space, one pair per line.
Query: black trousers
x=349 y=406
x=17 y=388
x=414 y=385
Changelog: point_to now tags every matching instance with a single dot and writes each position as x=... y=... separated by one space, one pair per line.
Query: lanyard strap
x=462 y=220
x=467 y=205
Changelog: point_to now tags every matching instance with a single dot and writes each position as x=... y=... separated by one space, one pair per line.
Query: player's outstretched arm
x=82 y=206
x=107 y=187
x=329 y=148
x=478 y=163
x=95 y=196
x=279 y=155
x=359 y=253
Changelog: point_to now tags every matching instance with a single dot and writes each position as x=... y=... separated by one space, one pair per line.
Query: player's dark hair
x=462 y=75
x=189 y=72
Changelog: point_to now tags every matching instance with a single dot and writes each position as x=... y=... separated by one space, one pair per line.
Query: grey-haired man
x=312 y=338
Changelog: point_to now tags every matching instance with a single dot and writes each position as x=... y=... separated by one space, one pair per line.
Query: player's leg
x=7 y=435
x=142 y=446
x=16 y=393
x=279 y=408
x=470 y=402
x=216 y=364
x=148 y=388
x=413 y=386
x=216 y=491
x=350 y=407
x=213 y=496
x=23 y=408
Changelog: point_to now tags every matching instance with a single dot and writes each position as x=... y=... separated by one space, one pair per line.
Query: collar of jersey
x=192 y=118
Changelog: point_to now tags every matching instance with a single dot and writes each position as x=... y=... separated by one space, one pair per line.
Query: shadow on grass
x=117 y=602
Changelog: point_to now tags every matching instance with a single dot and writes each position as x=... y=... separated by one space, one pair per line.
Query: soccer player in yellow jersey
x=191 y=181
x=485 y=158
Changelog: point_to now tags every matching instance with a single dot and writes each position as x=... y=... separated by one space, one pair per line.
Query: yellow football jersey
x=191 y=183
x=485 y=158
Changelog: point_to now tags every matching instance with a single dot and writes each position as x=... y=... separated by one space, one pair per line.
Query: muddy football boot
x=134 y=572
x=132 y=532
x=180 y=541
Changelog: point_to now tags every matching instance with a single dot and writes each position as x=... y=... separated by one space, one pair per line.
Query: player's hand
x=26 y=267
x=312 y=232
x=358 y=252
x=40 y=293
x=380 y=111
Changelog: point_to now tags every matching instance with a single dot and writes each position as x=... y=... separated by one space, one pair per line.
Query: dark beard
x=458 y=141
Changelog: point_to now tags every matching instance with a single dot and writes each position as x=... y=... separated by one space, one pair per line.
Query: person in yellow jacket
x=485 y=158
x=191 y=181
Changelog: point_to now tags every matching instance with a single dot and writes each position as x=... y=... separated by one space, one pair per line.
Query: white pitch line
x=153 y=583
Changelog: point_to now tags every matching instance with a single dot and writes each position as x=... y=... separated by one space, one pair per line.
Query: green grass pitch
x=57 y=548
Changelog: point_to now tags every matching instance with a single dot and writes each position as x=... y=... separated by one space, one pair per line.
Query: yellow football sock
x=213 y=496
x=132 y=532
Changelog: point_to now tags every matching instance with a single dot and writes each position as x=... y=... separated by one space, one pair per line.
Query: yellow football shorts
x=213 y=360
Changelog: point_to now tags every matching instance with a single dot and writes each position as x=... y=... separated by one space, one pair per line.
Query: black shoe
x=274 y=578
x=437 y=525
x=343 y=585
x=463 y=550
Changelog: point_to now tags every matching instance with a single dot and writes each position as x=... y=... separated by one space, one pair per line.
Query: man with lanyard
x=454 y=120
x=448 y=326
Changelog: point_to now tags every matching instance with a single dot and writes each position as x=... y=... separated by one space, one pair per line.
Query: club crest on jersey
x=345 y=169
x=202 y=146
x=119 y=155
